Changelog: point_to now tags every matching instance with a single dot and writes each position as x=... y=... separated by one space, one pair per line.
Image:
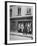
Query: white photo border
x=7 y=21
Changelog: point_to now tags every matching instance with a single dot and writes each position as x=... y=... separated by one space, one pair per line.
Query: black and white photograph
x=20 y=22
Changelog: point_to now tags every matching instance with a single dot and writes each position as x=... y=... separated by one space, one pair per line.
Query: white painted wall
x=14 y=11
x=23 y=11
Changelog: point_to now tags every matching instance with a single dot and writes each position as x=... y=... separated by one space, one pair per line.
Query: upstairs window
x=28 y=11
x=19 y=11
x=10 y=12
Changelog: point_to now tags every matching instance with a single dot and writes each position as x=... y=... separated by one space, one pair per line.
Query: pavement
x=20 y=36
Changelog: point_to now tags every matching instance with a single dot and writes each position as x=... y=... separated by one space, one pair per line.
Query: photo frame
x=20 y=22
